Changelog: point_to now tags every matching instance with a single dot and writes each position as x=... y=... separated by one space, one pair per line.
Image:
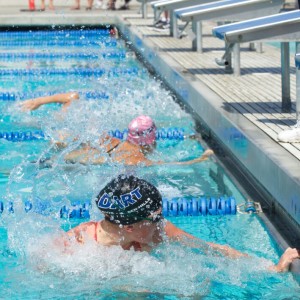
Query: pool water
x=32 y=266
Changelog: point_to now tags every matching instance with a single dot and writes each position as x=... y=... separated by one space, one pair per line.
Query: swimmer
x=133 y=151
x=132 y=208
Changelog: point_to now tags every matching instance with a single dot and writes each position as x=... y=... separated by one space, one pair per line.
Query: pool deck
x=242 y=112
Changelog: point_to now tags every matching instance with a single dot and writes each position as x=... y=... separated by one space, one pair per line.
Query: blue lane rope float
x=77 y=211
x=199 y=206
x=171 y=207
x=23 y=136
x=12 y=96
x=56 y=33
x=173 y=133
x=113 y=72
x=9 y=56
x=109 y=42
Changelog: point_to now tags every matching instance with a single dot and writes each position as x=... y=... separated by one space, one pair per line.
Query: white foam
x=26 y=190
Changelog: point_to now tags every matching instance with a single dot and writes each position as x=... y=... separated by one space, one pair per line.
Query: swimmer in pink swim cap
x=140 y=140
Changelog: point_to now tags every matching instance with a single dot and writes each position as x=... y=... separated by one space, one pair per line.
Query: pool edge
x=230 y=129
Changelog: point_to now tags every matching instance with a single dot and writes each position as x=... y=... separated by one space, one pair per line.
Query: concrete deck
x=243 y=113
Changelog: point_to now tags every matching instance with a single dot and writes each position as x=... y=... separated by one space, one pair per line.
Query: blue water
x=32 y=267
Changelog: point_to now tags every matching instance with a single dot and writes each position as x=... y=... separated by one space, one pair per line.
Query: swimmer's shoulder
x=87 y=228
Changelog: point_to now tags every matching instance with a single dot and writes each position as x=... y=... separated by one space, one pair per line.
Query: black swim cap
x=127 y=200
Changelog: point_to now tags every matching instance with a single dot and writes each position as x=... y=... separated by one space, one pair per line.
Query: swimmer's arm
x=202 y=158
x=86 y=155
x=65 y=99
x=75 y=155
x=178 y=234
x=285 y=261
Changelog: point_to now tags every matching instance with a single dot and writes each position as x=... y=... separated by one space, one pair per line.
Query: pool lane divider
x=55 y=33
x=107 y=42
x=112 y=72
x=174 y=207
x=12 y=96
x=172 y=133
x=9 y=56
x=23 y=136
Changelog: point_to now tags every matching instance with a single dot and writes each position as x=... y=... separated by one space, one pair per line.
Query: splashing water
x=34 y=265
x=92 y=270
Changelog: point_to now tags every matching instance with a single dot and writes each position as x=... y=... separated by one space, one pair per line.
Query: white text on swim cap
x=125 y=200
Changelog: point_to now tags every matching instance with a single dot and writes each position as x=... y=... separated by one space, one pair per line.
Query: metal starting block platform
x=170 y=5
x=283 y=27
x=225 y=10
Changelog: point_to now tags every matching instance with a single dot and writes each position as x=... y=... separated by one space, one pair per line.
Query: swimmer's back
x=129 y=154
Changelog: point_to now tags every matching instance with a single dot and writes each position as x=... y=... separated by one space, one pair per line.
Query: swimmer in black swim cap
x=133 y=219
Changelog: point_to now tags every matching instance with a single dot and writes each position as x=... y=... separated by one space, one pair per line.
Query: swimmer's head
x=127 y=200
x=141 y=131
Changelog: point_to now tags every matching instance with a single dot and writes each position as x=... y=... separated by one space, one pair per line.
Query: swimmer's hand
x=31 y=104
x=207 y=153
x=65 y=99
x=289 y=255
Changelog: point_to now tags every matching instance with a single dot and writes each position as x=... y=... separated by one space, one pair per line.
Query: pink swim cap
x=141 y=131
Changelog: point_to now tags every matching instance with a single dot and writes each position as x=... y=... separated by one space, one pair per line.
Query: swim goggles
x=155 y=218
x=144 y=132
